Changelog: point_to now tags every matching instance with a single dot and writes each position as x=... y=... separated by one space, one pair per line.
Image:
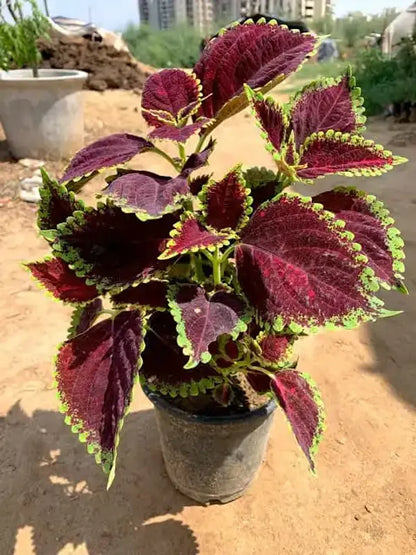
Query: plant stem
x=227 y=253
x=216 y=267
x=182 y=152
x=165 y=156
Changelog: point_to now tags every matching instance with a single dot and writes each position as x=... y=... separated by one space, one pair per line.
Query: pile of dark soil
x=108 y=68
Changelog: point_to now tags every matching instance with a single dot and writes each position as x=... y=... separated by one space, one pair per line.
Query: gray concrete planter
x=43 y=118
x=212 y=458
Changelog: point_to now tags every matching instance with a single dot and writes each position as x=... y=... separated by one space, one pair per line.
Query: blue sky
x=115 y=14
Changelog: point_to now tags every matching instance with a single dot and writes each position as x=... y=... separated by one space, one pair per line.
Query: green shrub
x=386 y=81
x=18 y=40
x=176 y=47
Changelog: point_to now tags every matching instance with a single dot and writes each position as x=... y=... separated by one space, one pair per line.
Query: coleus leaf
x=95 y=374
x=189 y=235
x=270 y=117
x=196 y=184
x=264 y=184
x=83 y=317
x=61 y=282
x=327 y=104
x=298 y=269
x=113 y=249
x=373 y=228
x=344 y=154
x=259 y=54
x=275 y=349
x=56 y=204
x=198 y=160
x=226 y=203
x=147 y=194
x=149 y=295
x=163 y=362
x=170 y=94
x=301 y=401
x=201 y=319
x=105 y=153
x=179 y=134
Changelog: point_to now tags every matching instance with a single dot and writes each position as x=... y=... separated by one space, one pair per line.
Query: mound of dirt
x=108 y=68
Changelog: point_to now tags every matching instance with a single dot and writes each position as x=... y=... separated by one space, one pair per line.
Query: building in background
x=204 y=14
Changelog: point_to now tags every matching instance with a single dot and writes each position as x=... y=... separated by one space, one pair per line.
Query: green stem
x=216 y=267
x=227 y=253
x=182 y=152
x=201 y=141
x=165 y=156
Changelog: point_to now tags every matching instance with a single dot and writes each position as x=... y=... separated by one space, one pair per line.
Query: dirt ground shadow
x=393 y=341
x=48 y=482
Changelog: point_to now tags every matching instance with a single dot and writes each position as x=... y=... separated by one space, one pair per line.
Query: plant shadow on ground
x=393 y=343
x=48 y=484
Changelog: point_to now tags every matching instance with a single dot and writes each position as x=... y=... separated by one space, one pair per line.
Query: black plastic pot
x=212 y=458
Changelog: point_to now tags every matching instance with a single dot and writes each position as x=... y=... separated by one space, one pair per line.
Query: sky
x=116 y=14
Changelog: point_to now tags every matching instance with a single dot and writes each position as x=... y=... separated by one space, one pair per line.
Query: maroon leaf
x=260 y=55
x=151 y=294
x=226 y=202
x=95 y=374
x=302 y=404
x=147 y=194
x=113 y=249
x=171 y=92
x=373 y=229
x=105 y=153
x=83 y=317
x=190 y=235
x=328 y=153
x=163 y=362
x=275 y=348
x=201 y=319
x=62 y=282
x=196 y=184
x=297 y=269
x=178 y=134
x=56 y=204
x=327 y=104
x=271 y=118
x=198 y=159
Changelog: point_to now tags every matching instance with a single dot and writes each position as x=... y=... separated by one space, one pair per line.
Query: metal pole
x=45 y=2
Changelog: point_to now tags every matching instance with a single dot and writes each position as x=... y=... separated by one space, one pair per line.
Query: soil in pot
x=212 y=453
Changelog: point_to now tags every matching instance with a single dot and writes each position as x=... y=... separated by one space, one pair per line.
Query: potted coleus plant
x=41 y=110
x=199 y=287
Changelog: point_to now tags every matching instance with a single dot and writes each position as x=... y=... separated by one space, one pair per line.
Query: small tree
x=18 y=40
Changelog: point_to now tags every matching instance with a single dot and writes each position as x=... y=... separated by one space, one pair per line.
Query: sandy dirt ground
x=52 y=495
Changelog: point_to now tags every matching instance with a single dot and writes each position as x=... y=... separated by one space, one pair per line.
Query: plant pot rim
x=159 y=401
x=25 y=76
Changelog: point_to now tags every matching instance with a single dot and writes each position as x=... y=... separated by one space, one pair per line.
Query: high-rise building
x=204 y=14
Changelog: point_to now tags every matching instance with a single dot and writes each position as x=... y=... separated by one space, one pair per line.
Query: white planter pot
x=43 y=118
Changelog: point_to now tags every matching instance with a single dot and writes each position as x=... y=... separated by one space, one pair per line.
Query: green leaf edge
x=45 y=290
x=248 y=200
x=394 y=240
x=182 y=339
x=176 y=231
x=353 y=140
x=76 y=263
x=357 y=101
x=45 y=192
x=321 y=427
x=240 y=101
x=107 y=461
x=369 y=283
